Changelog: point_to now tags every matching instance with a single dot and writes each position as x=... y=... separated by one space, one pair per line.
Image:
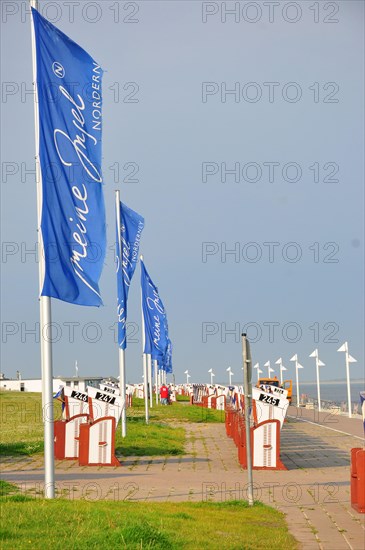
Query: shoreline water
x=332 y=392
x=335 y=382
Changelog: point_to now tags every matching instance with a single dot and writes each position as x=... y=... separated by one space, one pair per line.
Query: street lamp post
x=230 y=373
x=259 y=371
x=318 y=364
x=187 y=376
x=349 y=359
x=282 y=368
x=297 y=367
x=212 y=375
x=269 y=369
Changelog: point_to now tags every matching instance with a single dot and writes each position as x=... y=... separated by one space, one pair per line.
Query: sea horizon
x=336 y=381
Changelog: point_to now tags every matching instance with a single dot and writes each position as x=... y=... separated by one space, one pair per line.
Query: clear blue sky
x=293 y=131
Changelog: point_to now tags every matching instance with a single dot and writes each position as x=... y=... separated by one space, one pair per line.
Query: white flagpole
x=257 y=366
x=159 y=379
x=349 y=359
x=187 y=376
x=156 y=379
x=318 y=364
x=121 y=352
x=348 y=382
x=318 y=385
x=45 y=310
x=297 y=367
x=282 y=368
x=121 y=355
x=149 y=366
x=269 y=369
x=144 y=357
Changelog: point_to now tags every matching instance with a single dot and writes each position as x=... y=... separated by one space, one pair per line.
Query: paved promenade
x=314 y=492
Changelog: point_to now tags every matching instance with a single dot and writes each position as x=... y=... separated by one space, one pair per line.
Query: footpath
x=314 y=492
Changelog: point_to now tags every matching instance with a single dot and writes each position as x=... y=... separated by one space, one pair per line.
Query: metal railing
x=339 y=407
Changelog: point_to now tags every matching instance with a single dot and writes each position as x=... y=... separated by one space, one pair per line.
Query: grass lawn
x=182 y=397
x=176 y=412
x=21 y=423
x=29 y=523
x=22 y=426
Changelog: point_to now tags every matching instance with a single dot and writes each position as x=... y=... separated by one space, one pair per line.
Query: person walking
x=164 y=394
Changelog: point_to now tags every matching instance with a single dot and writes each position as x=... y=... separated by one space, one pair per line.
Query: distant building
x=35 y=384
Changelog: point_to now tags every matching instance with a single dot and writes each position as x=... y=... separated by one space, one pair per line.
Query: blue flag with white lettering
x=154 y=315
x=166 y=362
x=131 y=226
x=70 y=120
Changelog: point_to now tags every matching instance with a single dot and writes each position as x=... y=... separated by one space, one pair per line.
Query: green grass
x=164 y=434
x=80 y=524
x=21 y=423
x=133 y=525
x=155 y=439
x=176 y=412
x=182 y=397
x=7 y=488
x=22 y=426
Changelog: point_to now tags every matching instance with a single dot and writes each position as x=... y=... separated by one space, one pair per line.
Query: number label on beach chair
x=76 y=402
x=104 y=404
x=106 y=398
x=79 y=395
x=109 y=389
x=269 y=399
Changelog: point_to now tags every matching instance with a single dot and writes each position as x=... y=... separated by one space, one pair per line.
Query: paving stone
x=313 y=492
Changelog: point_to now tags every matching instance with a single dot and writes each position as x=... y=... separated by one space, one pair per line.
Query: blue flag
x=131 y=226
x=166 y=362
x=73 y=215
x=156 y=337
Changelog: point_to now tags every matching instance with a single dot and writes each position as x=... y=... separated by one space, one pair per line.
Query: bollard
x=358 y=479
x=360 y=466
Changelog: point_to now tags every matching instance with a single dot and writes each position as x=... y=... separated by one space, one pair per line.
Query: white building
x=35 y=384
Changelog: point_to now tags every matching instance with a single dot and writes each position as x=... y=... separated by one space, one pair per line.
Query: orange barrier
x=265 y=435
x=230 y=421
x=358 y=479
x=265 y=441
